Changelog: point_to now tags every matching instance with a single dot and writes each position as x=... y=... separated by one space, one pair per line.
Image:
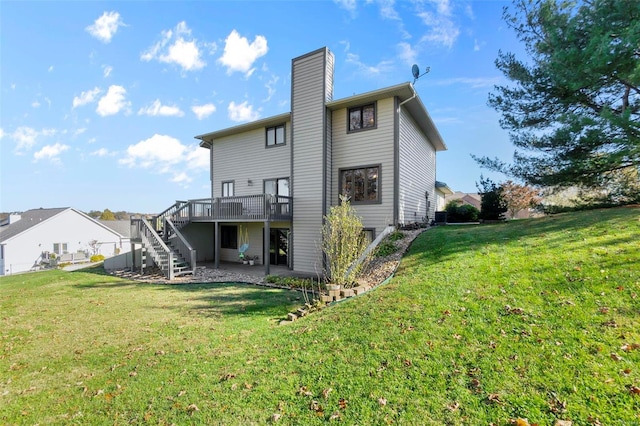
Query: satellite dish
x=415 y=70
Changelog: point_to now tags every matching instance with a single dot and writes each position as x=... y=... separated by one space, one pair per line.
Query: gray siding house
x=274 y=179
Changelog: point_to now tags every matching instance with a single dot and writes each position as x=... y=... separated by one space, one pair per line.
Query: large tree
x=573 y=107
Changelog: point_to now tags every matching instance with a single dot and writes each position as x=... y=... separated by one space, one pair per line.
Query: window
x=361 y=185
x=280 y=188
x=60 y=248
x=228 y=237
x=277 y=186
x=227 y=189
x=275 y=135
x=369 y=234
x=362 y=117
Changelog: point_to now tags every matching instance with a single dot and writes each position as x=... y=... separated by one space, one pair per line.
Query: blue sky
x=100 y=101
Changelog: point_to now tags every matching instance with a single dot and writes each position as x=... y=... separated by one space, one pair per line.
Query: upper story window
x=275 y=135
x=362 y=117
x=277 y=186
x=361 y=184
x=228 y=189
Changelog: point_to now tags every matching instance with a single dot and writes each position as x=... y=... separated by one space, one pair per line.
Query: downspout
x=396 y=160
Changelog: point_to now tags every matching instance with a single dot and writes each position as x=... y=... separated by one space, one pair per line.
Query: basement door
x=279 y=246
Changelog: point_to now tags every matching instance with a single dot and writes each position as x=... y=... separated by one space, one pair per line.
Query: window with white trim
x=228 y=188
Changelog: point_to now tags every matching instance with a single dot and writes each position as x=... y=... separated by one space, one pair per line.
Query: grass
x=535 y=319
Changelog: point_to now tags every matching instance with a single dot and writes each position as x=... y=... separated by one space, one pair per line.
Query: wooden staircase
x=164 y=244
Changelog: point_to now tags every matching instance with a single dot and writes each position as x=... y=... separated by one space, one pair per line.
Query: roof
x=207 y=138
x=443 y=187
x=34 y=217
x=28 y=219
x=404 y=92
x=122 y=227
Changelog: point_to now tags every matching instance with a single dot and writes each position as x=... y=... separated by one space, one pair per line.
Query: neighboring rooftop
x=27 y=220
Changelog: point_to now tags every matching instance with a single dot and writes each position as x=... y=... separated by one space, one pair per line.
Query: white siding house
x=69 y=234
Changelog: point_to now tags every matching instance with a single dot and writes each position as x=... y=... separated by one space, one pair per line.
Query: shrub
x=97 y=258
x=395 y=236
x=342 y=244
x=459 y=213
x=385 y=248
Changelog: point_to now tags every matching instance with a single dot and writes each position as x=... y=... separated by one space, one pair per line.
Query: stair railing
x=158 y=221
x=182 y=246
x=157 y=249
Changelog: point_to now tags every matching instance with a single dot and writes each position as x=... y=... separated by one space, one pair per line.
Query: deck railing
x=242 y=208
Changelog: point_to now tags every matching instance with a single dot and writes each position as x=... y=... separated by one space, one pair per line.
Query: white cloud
x=198 y=158
x=406 y=53
x=157 y=109
x=181 y=178
x=442 y=29
x=102 y=152
x=26 y=137
x=349 y=5
x=35 y=104
x=369 y=70
x=50 y=68
x=86 y=97
x=159 y=151
x=242 y=112
x=1 y=133
x=106 y=70
x=271 y=87
x=239 y=54
x=472 y=82
x=387 y=10
x=113 y=102
x=79 y=131
x=51 y=152
x=167 y=155
x=203 y=111
x=177 y=47
x=105 y=27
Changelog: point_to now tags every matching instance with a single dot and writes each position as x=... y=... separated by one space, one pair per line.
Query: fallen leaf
x=382 y=402
x=133 y=374
x=615 y=356
x=457 y=336
x=160 y=352
x=227 y=377
x=248 y=385
x=182 y=392
x=315 y=406
x=335 y=416
x=407 y=362
x=453 y=406
x=520 y=422
x=304 y=391
x=275 y=417
x=634 y=390
x=192 y=408
x=342 y=403
x=563 y=423
x=494 y=398
x=325 y=393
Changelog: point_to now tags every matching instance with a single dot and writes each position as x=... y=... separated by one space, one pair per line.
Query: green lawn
x=535 y=319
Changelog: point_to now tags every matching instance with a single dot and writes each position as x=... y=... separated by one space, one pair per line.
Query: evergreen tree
x=573 y=109
x=492 y=203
